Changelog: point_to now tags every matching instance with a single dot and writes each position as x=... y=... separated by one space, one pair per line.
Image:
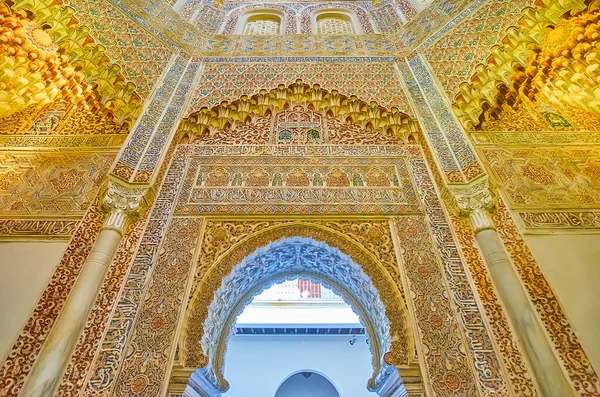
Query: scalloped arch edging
x=281 y=260
x=402 y=343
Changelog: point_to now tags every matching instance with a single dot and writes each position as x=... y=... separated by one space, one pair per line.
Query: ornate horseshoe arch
x=281 y=260
x=355 y=274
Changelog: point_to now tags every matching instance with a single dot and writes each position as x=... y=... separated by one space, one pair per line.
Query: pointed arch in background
x=287 y=380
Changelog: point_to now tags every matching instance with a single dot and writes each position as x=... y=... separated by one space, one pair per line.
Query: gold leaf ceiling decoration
x=554 y=53
x=45 y=55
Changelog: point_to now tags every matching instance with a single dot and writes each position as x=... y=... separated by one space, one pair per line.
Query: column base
x=392 y=386
x=200 y=386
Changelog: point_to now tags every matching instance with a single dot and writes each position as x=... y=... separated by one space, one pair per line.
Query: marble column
x=465 y=178
x=120 y=203
x=551 y=378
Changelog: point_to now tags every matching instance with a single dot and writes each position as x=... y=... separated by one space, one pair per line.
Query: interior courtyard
x=343 y=198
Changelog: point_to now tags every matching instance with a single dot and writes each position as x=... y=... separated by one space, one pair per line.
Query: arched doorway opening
x=285 y=259
x=298 y=325
x=307 y=383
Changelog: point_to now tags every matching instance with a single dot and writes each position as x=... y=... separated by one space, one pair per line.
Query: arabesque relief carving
x=76 y=74
x=226 y=116
x=545 y=177
x=370 y=81
x=29 y=342
x=226 y=243
x=280 y=260
x=38 y=228
x=51 y=183
x=519 y=376
x=84 y=233
x=578 y=366
x=140 y=248
x=298 y=126
x=296 y=185
x=155 y=327
x=426 y=286
x=60 y=118
x=506 y=341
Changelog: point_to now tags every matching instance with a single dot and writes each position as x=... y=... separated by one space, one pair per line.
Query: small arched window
x=334 y=23
x=277 y=180
x=426 y=3
x=237 y=180
x=261 y=23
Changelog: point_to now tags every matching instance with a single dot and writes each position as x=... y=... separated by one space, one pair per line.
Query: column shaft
x=58 y=347
x=545 y=366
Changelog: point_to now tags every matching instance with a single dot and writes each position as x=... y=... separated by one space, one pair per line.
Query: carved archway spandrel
x=354 y=238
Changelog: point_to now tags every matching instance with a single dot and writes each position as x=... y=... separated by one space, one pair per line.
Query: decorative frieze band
x=140 y=158
x=37 y=228
x=560 y=220
x=447 y=139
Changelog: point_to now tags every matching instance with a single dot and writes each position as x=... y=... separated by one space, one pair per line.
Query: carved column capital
x=472 y=197
x=475 y=201
x=120 y=203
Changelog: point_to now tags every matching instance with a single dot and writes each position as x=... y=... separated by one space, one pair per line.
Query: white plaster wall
x=25 y=270
x=571 y=264
x=300 y=314
x=313 y=386
x=258 y=365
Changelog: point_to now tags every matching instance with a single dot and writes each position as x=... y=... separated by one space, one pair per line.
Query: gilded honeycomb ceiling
x=48 y=55
x=515 y=54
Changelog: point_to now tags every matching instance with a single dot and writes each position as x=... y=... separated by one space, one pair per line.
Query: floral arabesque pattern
x=368 y=238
